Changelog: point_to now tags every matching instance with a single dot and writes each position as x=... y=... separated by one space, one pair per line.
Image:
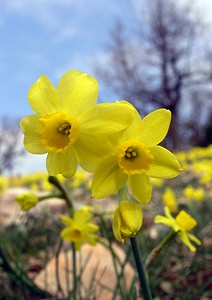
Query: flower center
x=76 y=234
x=65 y=128
x=130 y=153
x=134 y=158
x=58 y=131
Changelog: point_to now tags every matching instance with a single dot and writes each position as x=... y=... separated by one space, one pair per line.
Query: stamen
x=58 y=131
x=130 y=153
x=65 y=128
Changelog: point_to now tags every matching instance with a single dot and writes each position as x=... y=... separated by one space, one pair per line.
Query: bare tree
x=159 y=63
x=10 y=144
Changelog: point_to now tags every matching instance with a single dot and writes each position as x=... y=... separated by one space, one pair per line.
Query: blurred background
x=154 y=54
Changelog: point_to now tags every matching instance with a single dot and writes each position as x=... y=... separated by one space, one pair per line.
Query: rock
x=10 y=211
x=98 y=280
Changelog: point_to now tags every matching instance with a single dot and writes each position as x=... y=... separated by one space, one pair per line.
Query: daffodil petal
x=132 y=215
x=116 y=226
x=30 y=128
x=43 y=96
x=107 y=179
x=168 y=214
x=134 y=131
x=62 y=163
x=185 y=239
x=65 y=234
x=194 y=239
x=90 y=239
x=100 y=129
x=163 y=220
x=82 y=216
x=66 y=220
x=155 y=127
x=92 y=227
x=165 y=164
x=90 y=151
x=106 y=118
x=77 y=92
x=140 y=187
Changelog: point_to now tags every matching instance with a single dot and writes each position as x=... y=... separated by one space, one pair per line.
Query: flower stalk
x=141 y=272
x=158 y=248
x=53 y=180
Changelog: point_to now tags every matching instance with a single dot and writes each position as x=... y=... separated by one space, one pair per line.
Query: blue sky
x=49 y=37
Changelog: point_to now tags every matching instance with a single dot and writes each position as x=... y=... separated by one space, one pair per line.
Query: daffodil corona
x=135 y=157
x=68 y=125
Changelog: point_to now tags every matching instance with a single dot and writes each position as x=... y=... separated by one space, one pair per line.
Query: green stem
x=20 y=275
x=53 y=180
x=158 y=248
x=141 y=273
x=50 y=196
x=123 y=193
x=74 y=272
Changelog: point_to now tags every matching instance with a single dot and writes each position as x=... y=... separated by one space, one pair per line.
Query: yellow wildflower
x=197 y=194
x=182 y=224
x=135 y=157
x=68 y=125
x=4 y=183
x=169 y=199
x=27 y=200
x=79 y=229
x=127 y=220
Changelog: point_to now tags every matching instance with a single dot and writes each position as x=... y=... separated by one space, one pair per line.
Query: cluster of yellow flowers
x=109 y=140
x=198 y=161
x=4 y=182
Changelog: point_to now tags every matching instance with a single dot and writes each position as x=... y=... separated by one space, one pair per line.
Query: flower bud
x=127 y=220
x=26 y=200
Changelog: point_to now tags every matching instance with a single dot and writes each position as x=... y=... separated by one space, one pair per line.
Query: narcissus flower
x=127 y=221
x=27 y=200
x=182 y=224
x=169 y=199
x=135 y=157
x=80 y=229
x=197 y=194
x=68 y=125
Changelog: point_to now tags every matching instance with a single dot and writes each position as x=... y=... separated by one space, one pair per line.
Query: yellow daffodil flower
x=68 y=125
x=27 y=200
x=182 y=224
x=127 y=221
x=79 y=229
x=169 y=199
x=4 y=183
x=135 y=157
x=197 y=194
